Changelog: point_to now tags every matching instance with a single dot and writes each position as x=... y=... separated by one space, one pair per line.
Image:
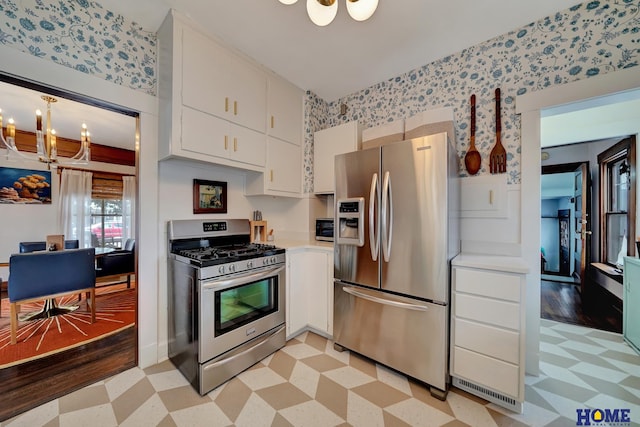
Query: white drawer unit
x=487 y=328
x=487 y=310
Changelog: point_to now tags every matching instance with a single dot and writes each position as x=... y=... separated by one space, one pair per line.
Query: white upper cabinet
x=284 y=166
x=284 y=110
x=213 y=105
x=283 y=172
x=327 y=144
x=205 y=74
x=218 y=82
x=224 y=140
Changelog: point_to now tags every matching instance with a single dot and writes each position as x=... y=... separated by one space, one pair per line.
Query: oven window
x=245 y=303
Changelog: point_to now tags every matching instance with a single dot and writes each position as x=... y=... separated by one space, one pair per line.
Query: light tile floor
x=307 y=383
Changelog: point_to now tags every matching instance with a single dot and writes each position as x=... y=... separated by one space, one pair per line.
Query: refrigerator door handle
x=387 y=217
x=374 y=241
x=385 y=301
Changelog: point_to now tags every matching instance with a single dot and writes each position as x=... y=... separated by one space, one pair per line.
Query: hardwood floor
x=30 y=384
x=562 y=302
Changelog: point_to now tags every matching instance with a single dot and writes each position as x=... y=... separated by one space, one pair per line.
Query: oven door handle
x=245 y=278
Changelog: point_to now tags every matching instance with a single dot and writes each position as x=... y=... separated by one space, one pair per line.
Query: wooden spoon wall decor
x=472 y=159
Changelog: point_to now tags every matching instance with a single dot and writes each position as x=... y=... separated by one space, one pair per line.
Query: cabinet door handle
x=235 y=144
x=226 y=104
x=272 y=122
x=490 y=197
x=235 y=108
x=226 y=142
x=271 y=175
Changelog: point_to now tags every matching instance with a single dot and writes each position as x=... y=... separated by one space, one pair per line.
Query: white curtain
x=128 y=207
x=75 y=206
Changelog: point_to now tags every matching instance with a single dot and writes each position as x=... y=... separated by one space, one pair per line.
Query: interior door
x=582 y=211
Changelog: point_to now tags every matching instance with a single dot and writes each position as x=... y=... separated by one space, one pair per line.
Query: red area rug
x=39 y=338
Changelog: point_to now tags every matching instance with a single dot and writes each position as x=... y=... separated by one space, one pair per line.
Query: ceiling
x=346 y=56
x=106 y=127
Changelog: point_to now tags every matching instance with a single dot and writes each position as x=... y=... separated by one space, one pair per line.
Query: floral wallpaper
x=82 y=35
x=586 y=40
x=592 y=38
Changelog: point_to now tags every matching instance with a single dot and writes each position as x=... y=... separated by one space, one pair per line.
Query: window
x=617 y=201
x=106 y=223
x=106 y=210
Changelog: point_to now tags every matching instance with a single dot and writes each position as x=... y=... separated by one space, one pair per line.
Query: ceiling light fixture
x=322 y=12
x=46 y=143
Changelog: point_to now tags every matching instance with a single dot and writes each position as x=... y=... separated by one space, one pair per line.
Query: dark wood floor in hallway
x=562 y=302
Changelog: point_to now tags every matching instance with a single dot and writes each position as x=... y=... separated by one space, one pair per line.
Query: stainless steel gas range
x=226 y=300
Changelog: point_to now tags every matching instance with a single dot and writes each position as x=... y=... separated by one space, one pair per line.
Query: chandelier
x=322 y=12
x=46 y=140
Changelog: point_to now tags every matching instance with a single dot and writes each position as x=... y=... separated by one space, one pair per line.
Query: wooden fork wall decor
x=498 y=155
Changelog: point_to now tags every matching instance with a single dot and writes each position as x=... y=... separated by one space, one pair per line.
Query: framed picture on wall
x=209 y=196
x=25 y=186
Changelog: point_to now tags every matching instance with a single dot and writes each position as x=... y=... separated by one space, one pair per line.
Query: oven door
x=237 y=308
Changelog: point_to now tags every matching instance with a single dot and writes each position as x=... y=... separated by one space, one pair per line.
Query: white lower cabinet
x=309 y=302
x=487 y=328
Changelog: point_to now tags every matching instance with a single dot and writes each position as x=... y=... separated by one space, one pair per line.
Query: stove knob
x=273 y=260
x=249 y=264
x=265 y=261
x=221 y=269
x=232 y=268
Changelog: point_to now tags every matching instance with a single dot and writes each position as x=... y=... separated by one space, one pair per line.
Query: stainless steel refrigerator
x=396 y=231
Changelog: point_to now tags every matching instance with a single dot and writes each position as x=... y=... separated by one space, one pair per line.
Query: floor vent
x=490 y=395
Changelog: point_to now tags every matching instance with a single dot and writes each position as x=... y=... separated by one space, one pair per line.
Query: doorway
x=105 y=352
x=577 y=297
x=533 y=108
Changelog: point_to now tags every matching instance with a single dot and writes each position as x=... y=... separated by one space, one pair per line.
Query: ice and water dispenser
x=350 y=221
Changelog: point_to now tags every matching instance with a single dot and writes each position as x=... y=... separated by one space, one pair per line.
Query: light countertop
x=291 y=244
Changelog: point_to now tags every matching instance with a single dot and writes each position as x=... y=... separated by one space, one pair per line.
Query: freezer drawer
x=408 y=335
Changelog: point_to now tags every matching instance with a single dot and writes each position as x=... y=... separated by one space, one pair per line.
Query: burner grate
x=241 y=251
